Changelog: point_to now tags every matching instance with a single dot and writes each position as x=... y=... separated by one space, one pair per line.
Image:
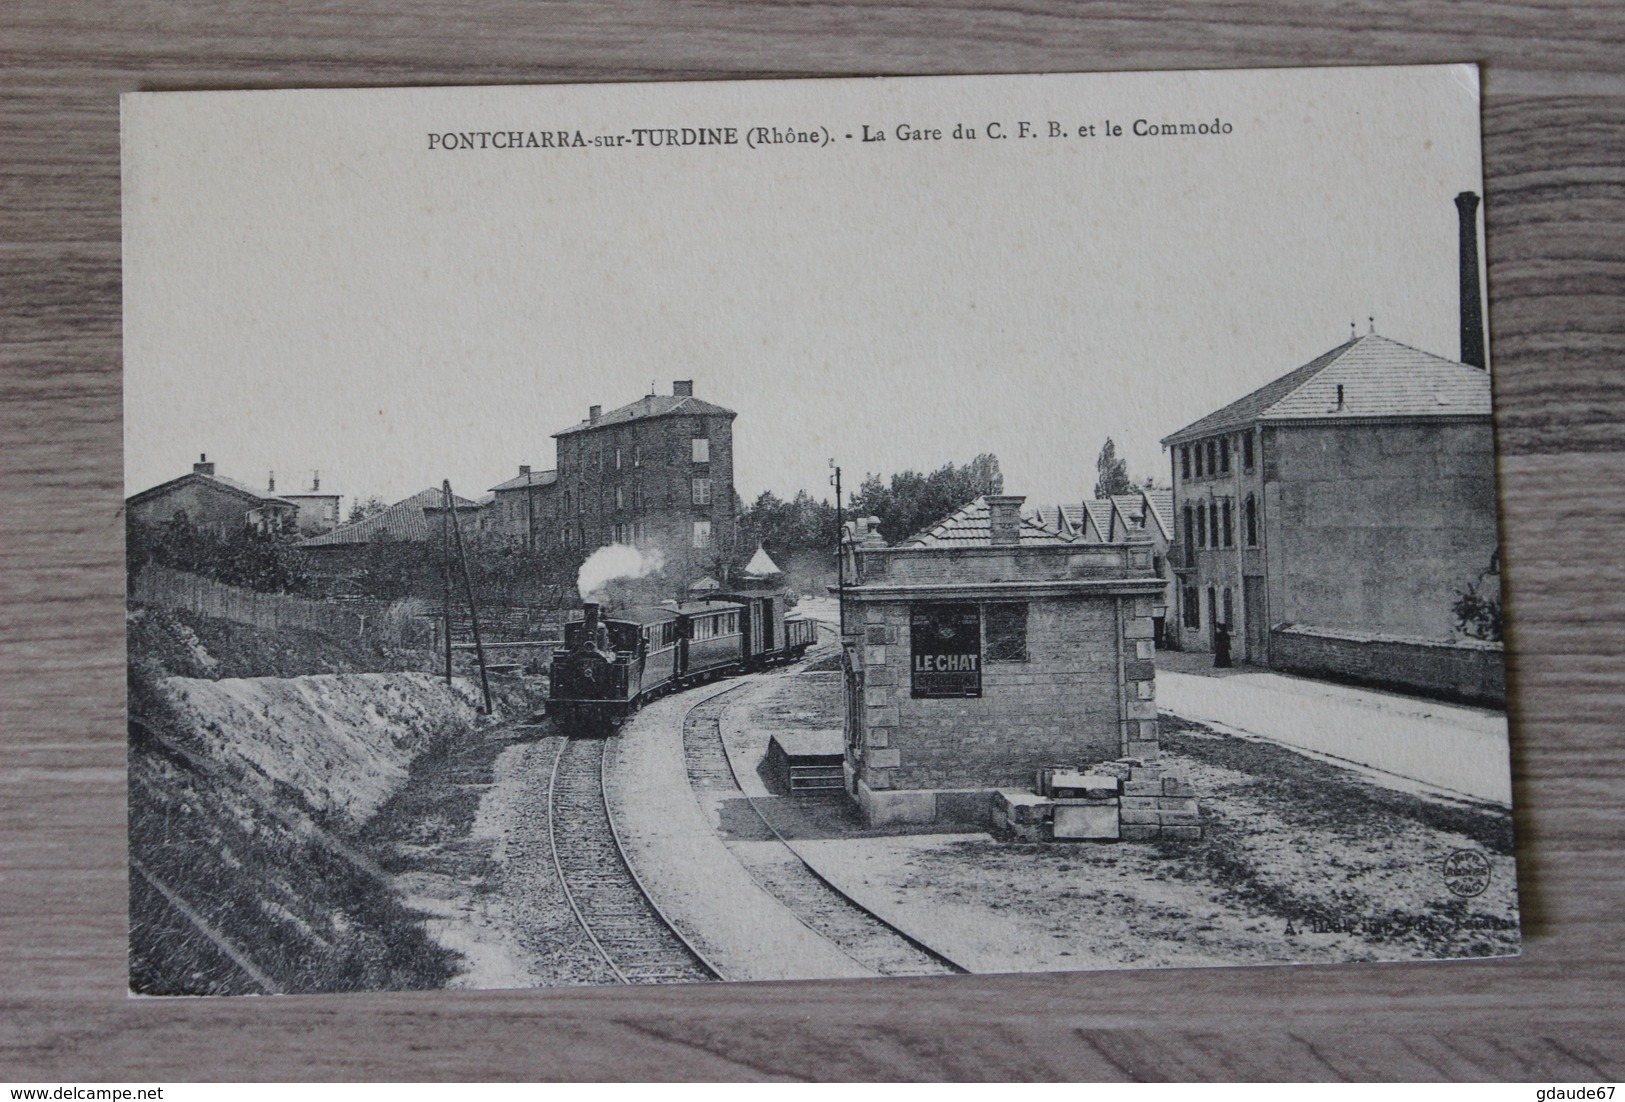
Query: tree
x=1111 y=473
x=362 y=508
x=1478 y=607
x=245 y=557
x=911 y=501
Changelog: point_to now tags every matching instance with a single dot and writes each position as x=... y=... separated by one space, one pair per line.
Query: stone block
x=877 y=634
x=1137 y=670
x=1139 y=803
x=898 y=806
x=1145 y=690
x=1138 y=628
x=1093 y=823
x=1142 y=606
x=885 y=759
x=1182 y=833
x=879 y=738
x=1146 y=750
x=1144 y=818
x=877 y=778
x=874 y=656
x=1170 y=803
x=1142 y=709
x=884 y=676
x=1145 y=650
x=882 y=717
x=874 y=614
x=1139 y=832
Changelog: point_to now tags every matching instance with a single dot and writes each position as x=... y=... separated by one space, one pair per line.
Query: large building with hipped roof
x=1327 y=521
x=657 y=472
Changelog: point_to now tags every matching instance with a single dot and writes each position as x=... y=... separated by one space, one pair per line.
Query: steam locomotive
x=612 y=664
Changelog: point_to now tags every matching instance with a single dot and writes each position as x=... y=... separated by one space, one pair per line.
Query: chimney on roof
x=203 y=466
x=1004 y=520
x=315 y=481
x=682 y=388
x=270 y=483
x=593 y=413
x=524 y=468
x=1472 y=307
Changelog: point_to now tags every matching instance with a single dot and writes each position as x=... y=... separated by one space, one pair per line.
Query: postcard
x=824 y=529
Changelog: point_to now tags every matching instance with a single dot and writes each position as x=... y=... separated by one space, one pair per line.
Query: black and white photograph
x=822 y=529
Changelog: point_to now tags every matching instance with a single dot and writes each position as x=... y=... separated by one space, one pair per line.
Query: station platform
x=677 y=852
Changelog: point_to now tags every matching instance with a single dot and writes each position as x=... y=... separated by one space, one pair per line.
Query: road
x=1461 y=750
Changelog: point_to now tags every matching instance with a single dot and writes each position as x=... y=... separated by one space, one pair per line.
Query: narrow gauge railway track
x=627 y=929
x=782 y=872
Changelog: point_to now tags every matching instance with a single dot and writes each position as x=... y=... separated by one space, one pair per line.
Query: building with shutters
x=658 y=473
x=1327 y=520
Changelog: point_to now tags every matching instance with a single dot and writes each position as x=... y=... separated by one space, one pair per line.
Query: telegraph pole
x=840 y=551
x=445 y=573
x=468 y=591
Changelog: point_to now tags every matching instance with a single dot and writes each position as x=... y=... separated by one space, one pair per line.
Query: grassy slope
x=258 y=867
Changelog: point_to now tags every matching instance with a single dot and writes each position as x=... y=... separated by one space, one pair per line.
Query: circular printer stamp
x=1466 y=873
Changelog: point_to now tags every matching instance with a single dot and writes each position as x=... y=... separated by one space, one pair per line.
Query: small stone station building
x=1000 y=673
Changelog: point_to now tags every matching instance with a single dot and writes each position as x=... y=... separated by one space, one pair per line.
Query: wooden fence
x=156 y=585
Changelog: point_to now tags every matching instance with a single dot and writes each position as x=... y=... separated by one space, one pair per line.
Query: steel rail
x=733 y=771
x=620 y=852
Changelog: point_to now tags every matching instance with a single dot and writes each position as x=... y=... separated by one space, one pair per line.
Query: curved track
x=628 y=930
x=784 y=873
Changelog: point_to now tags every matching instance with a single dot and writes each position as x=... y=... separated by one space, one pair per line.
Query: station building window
x=1247 y=451
x=701 y=449
x=1212 y=455
x=702 y=533
x=1185 y=461
x=1201 y=526
x=1007 y=633
x=702 y=491
x=1224 y=454
x=1191 y=605
x=1213 y=522
x=1250 y=515
x=1188 y=533
x=1229 y=524
x=1198 y=461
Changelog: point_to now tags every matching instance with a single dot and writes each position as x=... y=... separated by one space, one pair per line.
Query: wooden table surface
x=1554 y=138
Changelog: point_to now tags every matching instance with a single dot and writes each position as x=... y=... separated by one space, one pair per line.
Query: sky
x=309 y=286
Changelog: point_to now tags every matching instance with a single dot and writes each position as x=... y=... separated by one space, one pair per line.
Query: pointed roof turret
x=761 y=564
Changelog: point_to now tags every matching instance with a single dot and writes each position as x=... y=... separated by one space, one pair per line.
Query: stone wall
x=1060 y=707
x=1466 y=670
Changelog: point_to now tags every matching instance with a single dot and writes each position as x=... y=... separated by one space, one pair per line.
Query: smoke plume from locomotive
x=612 y=562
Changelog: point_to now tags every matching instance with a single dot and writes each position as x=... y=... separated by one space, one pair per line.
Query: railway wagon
x=771 y=634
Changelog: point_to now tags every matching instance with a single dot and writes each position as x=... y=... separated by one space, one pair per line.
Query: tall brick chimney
x=682 y=388
x=593 y=413
x=203 y=466
x=1004 y=520
x=1472 y=308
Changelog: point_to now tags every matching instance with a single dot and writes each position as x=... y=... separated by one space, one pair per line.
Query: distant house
x=318 y=508
x=523 y=511
x=1347 y=501
x=210 y=502
x=416 y=521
